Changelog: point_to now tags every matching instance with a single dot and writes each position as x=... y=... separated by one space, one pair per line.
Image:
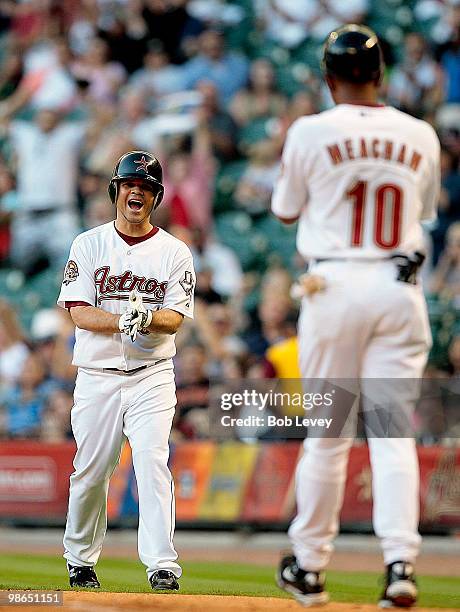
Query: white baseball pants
x=110 y=407
x=365 y=325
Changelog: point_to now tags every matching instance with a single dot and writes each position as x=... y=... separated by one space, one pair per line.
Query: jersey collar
x=376 y=105
x=132 y=240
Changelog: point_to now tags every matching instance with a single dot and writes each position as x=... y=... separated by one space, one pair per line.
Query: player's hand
x=141 y=317
x=125 y=324
x=307 y=285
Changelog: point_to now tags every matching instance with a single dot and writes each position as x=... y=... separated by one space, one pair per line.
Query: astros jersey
x=102 y=271
x=361 y=178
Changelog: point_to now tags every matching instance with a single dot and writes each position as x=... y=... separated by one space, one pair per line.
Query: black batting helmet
x=138 y=165
x=352 y=53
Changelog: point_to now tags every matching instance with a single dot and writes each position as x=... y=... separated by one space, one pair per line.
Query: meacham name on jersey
x=374 y=148
x=119 y=286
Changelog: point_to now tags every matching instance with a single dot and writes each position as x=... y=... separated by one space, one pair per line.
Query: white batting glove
x=125 y=323
x=141 y=317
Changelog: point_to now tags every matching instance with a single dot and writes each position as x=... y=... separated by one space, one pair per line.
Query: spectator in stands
x=454 y=359
x=415 y=84
x=255 y=187
x=189 y=180
x=283 y=355
x=170 y=22
x=12 y=73
x=450 y=62
x=192 y=391
x=217 y=122
x=104 y=76
x=215 y=329
x=104 y=142
x=188 y=188
x=204 y=289
x=13 y=348
x=260 y=98
x=447 y=121
x=285 y=22
x=449 y=202
x=216 y=13
x=303 y=103
x=62 y=371
x=291 y=22
x=274 y=309
x=442 y=17
x=83 y=27
x=90 y=186
x=6 y=15
x=47 y=82
x=25 y=402
x=133 y=122
x=30 y=21
x=211 y=258
x=8 y=205
x=226 y=69
x=50 y=330
x=446 y=276
x=98 y=210
x=55 y=420
x=275 y=279
x=158 y=76
x=47 y=160
x=126 y=38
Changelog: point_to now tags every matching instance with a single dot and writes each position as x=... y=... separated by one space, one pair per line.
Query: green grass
x=122 y=575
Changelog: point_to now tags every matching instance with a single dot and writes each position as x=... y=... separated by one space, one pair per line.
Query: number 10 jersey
x=360 y=179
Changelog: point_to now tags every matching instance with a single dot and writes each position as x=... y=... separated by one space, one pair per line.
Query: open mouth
x=135 y=204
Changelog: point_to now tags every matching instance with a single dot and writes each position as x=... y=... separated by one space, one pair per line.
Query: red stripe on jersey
x=70 y=305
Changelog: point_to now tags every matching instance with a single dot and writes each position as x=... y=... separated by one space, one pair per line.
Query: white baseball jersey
x=361 y=178
x=103 y=269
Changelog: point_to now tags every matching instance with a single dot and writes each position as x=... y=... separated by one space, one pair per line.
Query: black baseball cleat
x=307 y=587
x=84 y=577
x=400 y=586
x=163 y=580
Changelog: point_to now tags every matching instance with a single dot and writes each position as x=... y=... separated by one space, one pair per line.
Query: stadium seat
x=237 y=231
x=444 y=324
x=281 y=241
x=225 y=185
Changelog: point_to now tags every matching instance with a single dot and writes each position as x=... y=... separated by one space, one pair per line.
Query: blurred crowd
x=210 y=87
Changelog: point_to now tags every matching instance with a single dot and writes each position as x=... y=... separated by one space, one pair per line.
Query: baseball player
x=128 y=286
x=359 y=178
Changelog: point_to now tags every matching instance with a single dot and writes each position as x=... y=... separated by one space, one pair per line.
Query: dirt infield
x=131 y=602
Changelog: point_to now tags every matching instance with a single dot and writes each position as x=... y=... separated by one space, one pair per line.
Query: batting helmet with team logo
x=352 y=53
x=138 y=165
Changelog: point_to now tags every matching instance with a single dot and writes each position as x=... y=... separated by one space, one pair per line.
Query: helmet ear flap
x=112 y=189
x=158 y=197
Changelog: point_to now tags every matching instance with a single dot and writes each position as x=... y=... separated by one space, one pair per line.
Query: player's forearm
x=165 y=321
x=95 y=319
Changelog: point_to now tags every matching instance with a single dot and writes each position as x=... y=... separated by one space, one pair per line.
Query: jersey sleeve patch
x=186 y=283
x=71 y=272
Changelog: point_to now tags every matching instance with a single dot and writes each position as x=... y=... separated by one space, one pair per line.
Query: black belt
x=148 y=365
x=417 y=256
x=357 y=259
x=407 y=265
x=42 y=212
